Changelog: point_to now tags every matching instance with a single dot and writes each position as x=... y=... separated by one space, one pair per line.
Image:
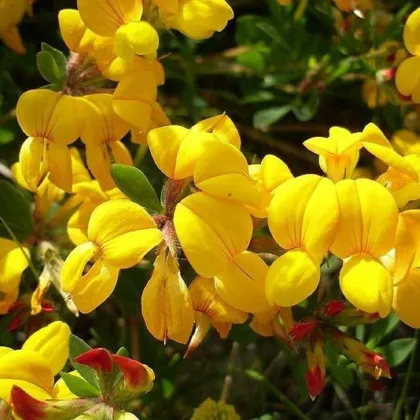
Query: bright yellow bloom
x=338 y=154
x=406 y=142
x=406 y=272
x=302 y=218
x=373 y=95
x=102 y=134
x=11 y=13
x=267 y=176
x=159 y=119
x=167 y=291
x=211 y=310
x=176 y=149
x=197 y=19
x=13 y=263
x=120 y=234
x=33 y=368
x=412 y=33
x=122 y=20
x=210 y=409
x=365 y=233
x=211 y=232
x=51 y=121
x=76 y=36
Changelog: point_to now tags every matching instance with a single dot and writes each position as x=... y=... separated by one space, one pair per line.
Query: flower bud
x=315 y=374
x=99 y=360
x=333 y=308
x=302 y=330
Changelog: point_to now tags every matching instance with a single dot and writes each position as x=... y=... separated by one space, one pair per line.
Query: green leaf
x=135 y=185
x=47 y=67
x=55 y=87
x=123 y=352
x=77 y=347
x=382 y=328
x=168 y=388
x=263 y=119
x=6 y=136
x=16 y=211
x=59 y=58
x=79 y=386
x=397 y=351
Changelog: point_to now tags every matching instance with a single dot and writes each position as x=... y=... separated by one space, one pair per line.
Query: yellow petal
x=206 y=300
x=211 y=231
x=13 y=263
x=104 y=17
x=222 y=127
x=74 y=265
x=61 y=391
x=242 y=283
x=222 y=171
x=99 y=163
x=36 y=392
x=31 y=157
x=274 y=172
x=51 y=342
x=363 y=227
x=120 y=153
x=95 y=287
x=7 y=299
x=304 y=214
x=412 y=33
x=133 y=98
x=167 y=291
x=74 y=32
x=12 y=39
x=367 y=284
x=407 y=78
x=136 y=38
x=28 y=366
x=78 y=222
x=406 y=299
x=59 y=165
x=406 y=142
x=291 y=278
x=80 y=173
x=124 y=231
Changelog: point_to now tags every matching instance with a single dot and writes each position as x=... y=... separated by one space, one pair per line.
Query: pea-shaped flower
x=120 y=234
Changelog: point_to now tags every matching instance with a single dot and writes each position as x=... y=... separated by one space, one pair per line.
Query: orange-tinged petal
x=104 y=17
x=7 y=299
x=406 y=299
x=242 y=283
x=28 y=366
x=211 y=231
x=304 y=214
x=59 y=166
x=95 y=287
x=12 y=39
x=51 y=342
x=412 y=33
x=363 y=227
x=167 y=291
x=367 y=284
x=222 y=171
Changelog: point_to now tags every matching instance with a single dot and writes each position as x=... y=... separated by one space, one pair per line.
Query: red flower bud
x=98 y=359
x=137 y=376
x=389 y=74
x=27 y=407
x=333 y=308
x=315 y=381
x=301 y=330
x=376 y=365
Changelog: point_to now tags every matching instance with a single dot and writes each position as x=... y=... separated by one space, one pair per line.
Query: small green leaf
x=79 y=386
x=53 y=86
x=123 y=352
x=77 y=347
x=135 y=185
x=16 y=211
x=397 y=351
x=59 y=58
x=168 y=388
x=266 y=117
x=382 y=328
x=47 y=67
x=6 y=136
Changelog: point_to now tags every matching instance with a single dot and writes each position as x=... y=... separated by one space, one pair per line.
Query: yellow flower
x=102 y=134
x=365 y=233
x=13 y=263
x=373 y=95
x=302 y=218
x=338 y=154
x=11 y=13
x=76 y=36
x=121 y=20
x=406 y=142
x=33 y=368
x=412 y=33
x=406 y=270
x=51 y=121
x=120 y=234
x=176 y=149
x=197 y=19
x=167 y=291
x=211 y=232
x=211 y=409
x=211 y=310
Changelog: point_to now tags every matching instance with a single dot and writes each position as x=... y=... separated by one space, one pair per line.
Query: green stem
x=140 y=154
x=256 y=376
x=401 y=399
x=417 y=414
